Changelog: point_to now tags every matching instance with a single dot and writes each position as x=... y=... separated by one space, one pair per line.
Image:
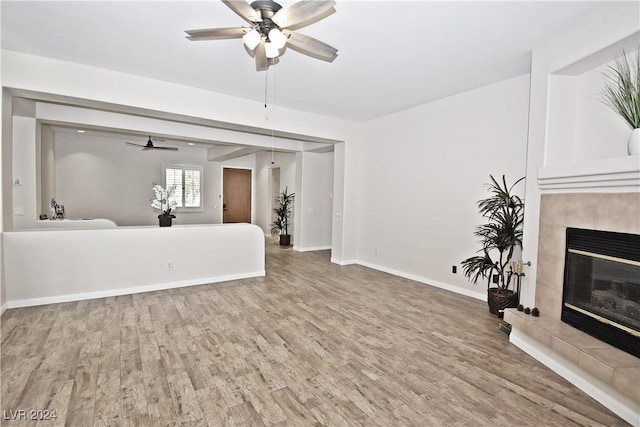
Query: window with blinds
x=188 y=183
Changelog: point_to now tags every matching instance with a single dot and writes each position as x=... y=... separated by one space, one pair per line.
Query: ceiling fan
x=271 y=30
x=149 y=146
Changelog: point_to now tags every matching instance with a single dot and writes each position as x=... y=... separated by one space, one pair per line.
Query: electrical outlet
x=18 y=211
x=496 y=279
x=375 y=252
x=170 y=265
x=454 y=269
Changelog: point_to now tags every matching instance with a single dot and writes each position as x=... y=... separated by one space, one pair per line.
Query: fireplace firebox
x=601 y=294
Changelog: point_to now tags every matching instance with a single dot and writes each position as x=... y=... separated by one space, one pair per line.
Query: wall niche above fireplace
x=601 y=292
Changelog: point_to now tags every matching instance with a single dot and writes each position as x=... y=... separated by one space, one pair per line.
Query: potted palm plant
x=499 y=237
x=283 y=209
x=622 y=94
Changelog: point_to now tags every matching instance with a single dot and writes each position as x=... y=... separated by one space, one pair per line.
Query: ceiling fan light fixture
x=273 y=29
x=277 y=38
x=252 y=39
x=271 y=50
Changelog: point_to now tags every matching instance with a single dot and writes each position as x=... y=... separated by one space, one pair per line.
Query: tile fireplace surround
x=602 y=363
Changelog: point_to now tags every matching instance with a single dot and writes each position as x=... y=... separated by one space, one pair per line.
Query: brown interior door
x=236 y=195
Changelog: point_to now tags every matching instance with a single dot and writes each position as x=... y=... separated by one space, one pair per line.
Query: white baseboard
x=456 y=289
x=127 y=291
x=615 y=401
x=3 y=308
x=316 y=248
x=345 y=262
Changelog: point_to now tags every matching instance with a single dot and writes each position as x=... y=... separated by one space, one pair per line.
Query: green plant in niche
x=499 y=237
x=622 y=89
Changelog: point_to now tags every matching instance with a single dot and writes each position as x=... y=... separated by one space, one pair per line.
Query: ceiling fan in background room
x=272 y=29
x=149 y=146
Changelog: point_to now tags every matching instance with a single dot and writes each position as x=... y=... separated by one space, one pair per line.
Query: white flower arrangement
x=163 y=200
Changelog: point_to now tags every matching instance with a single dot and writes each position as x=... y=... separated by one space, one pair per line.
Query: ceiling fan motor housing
x=266 y=7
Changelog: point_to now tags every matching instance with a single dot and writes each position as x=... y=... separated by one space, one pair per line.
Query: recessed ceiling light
x=80 y=131
x=191 y=143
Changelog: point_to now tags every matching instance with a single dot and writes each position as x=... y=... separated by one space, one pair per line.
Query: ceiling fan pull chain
x=266 y=73
x=273 y=118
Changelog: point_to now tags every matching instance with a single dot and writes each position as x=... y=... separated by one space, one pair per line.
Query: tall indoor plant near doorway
x=283 y=209
x=622 y=94
x=499 y=238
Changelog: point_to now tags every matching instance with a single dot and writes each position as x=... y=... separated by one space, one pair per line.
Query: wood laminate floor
x=312 y=343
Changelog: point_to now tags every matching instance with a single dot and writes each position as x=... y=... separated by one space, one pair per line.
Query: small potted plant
x=499 y=238
x=164 y=202
x=622 y=94
x=283 y=209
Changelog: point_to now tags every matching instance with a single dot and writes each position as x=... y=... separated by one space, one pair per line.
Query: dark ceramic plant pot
x=499 y=300
x=165 y=220
x=285 y=239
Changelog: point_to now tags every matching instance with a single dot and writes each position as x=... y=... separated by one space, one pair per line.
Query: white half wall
x=421 y=172
x=43 y=267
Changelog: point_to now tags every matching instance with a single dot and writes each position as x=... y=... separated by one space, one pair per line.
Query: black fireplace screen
x=602 y=286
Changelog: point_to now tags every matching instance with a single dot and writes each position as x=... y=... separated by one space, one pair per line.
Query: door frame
x=253 y=190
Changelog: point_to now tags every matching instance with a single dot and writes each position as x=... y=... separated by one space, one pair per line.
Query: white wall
x=47 y=168
x=24 y=170
x=315 y=201
x=597 y=123
x=286 y=162
x=421 y=172
x=288 y=168
x=345 y=199
x=44 y=75
x=3 y=297
x=35 y=73
x=581 y=127
x=262 y=175
x=101 y=177
x=338 y=225
x=597 y=33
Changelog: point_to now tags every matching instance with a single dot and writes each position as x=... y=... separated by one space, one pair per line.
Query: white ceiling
x=392 y=54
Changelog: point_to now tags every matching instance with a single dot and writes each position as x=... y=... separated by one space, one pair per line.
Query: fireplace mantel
x=620 y=174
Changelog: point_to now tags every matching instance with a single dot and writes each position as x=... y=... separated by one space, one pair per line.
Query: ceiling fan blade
x=301 y=12
x=217 y=33
x=313 y=20
x=134 y=145
x=311 y=47
x=262 y=62
x=252 y=53
x=161 y=148
x=244 y=10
